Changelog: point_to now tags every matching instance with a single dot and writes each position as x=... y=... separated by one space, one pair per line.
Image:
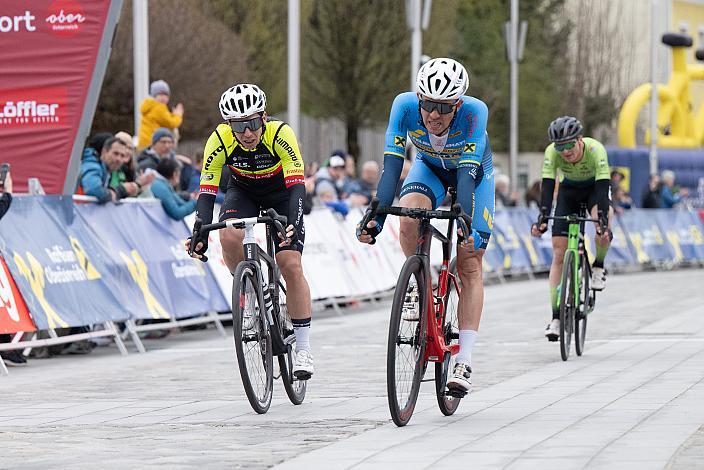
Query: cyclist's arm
x=548 y=173
x=472 y=154
x=394 y=153
x=286 y=146
x=602 y=178
x=213 y=161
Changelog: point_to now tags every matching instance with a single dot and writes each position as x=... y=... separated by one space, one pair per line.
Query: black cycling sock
x=555 y=314
x=598 y=263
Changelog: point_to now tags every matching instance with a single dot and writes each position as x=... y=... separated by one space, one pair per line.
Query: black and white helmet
x=564 y=128
x=241 y=101
x=442 y=79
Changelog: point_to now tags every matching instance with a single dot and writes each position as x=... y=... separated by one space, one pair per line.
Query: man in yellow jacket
x=155 y=113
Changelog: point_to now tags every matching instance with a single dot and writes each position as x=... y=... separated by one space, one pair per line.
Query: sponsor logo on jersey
x=287 y=147
x=399 y=141
x=212 y=155
x=417 y=133
x=455 y=134
x=470 y=147
x=207 y=177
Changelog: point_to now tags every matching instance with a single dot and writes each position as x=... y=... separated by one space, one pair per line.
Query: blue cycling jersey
x=465 y=137
x=462 y=152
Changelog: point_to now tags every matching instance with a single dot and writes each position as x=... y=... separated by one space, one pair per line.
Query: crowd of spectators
x=335 y=185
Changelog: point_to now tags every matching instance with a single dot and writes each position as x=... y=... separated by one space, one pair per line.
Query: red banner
x=14 y=315
x=48 y=51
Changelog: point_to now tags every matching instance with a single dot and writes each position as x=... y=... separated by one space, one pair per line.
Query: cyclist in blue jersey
x=448 y=130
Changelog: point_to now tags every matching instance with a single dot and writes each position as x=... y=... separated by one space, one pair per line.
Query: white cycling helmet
x=442 y=79
x=241 y=101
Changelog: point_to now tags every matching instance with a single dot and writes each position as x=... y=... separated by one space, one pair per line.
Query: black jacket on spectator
x=651 y=199
x=5 y=201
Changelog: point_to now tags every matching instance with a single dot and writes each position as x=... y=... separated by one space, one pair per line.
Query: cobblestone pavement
x=635 y=399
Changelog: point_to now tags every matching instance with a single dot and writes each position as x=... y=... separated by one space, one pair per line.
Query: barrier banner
x=516 y=257
x=684 y=234
x=59 y=280
x=151 y=272
x=541 y=245
x=48 y=54
x=619 y=253
x=521 y=220
x=14 y=315
x=645 y=236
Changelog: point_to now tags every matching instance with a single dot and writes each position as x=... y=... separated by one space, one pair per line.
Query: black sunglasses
x=252 y=124
x=443 y=108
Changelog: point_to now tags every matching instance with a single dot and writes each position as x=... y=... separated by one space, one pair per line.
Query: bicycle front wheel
x=451 y=333
x=252 y=338
x=580 y=323
x=295 y=389
x=405 y=358
x=567 y=305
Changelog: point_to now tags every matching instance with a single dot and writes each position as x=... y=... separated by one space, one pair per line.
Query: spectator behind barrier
x=671 y=195
x=326 y=184
x=532 y=196
x=167 y=179
x=363 y=189
x=15 y=357
x=95 y=173
x=621 y=200
x=129 y=172
x=504 y=197
x=156 y=114
x=651 y=195
x=163 y=143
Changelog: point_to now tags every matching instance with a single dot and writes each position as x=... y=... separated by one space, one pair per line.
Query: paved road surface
x=634 y=400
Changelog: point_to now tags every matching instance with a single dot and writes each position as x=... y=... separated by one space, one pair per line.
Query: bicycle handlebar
x=463 y=220
x=271 y=217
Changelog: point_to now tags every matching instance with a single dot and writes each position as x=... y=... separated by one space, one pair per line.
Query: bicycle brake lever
x=196 y=233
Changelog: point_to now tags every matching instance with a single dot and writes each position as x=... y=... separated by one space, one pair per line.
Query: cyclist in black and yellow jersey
x=267 y=172
x=584 y=178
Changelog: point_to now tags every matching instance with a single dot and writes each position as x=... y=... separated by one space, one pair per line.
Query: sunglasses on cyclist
x=251 y=124
x=442 y=108
x=565 y=146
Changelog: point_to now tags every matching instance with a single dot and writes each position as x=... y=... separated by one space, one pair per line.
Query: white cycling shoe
x=552 y=332
x=303 y=366
x=460 y=380
x=598 y=278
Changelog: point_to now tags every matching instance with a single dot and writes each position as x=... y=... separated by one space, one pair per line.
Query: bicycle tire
x=250 y=326
x=295 y=388
x=402 y=391
x=567 y=305
x=450 y=328
x=580 y=327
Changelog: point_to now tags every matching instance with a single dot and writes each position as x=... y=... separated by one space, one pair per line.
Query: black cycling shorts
x=569 y=200
x=239 y=204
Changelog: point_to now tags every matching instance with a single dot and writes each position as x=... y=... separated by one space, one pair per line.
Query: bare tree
x=196 y=54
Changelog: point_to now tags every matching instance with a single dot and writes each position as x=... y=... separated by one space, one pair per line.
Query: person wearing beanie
x=156 y=114
x=162 y=147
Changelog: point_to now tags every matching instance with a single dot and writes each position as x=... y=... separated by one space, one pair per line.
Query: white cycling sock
x=467 y=338
x=301 y=328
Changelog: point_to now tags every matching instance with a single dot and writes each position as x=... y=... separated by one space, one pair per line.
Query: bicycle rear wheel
x=451 y=332
x=405 y=358
x=567 y=305
x=252 y=338
x=295 y=389
x=580 y=327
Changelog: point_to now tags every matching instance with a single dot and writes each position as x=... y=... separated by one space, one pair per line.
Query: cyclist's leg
x=236 y=205
x=469 y=267
x=298 y=300
x=421 y=189
x=568 y=201
x=602 y=243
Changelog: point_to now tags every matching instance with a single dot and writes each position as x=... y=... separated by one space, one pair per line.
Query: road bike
x=261 y=323
x=577 y=299
x=424 y=325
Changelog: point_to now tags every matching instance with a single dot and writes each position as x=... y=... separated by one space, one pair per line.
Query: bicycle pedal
x=301 y=375
x=455 y=393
